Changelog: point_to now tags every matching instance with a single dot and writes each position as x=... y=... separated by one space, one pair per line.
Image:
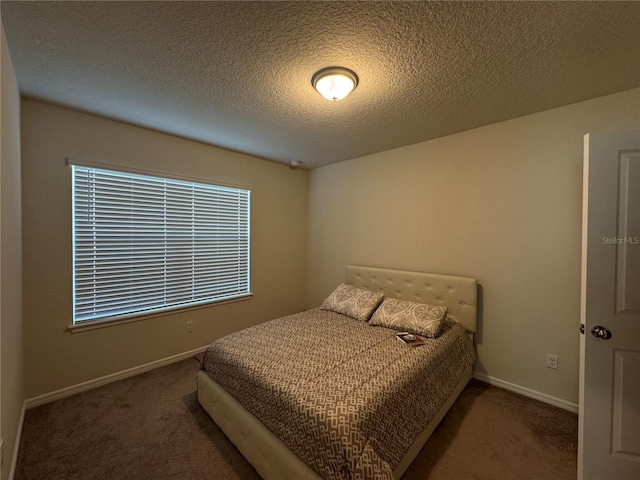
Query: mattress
x=345 y=397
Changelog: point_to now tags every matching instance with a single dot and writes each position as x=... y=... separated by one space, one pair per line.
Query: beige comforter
x=346 y=397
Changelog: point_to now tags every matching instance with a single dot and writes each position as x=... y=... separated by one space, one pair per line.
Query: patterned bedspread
x=346 y=397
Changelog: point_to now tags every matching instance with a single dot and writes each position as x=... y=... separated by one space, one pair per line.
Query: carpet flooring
x=151 y=427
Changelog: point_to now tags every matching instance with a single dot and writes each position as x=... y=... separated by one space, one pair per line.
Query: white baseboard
x=527 y=392
x=16 y=445
x=113 y=377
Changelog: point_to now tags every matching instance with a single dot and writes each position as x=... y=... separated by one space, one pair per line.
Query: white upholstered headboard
x=458 y=294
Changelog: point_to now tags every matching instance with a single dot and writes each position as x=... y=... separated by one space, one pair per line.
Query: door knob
x=601 y=332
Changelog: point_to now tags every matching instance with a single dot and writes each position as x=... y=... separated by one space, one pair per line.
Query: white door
x=609 y=418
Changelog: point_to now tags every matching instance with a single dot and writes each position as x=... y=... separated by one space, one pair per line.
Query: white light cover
x=334 y=83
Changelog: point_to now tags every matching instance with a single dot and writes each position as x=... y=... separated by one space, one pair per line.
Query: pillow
x=353 y=302
x=417 y=318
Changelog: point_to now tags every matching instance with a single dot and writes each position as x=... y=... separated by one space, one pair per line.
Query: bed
x=321 y=395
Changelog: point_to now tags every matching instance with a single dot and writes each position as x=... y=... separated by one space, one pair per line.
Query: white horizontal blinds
x=143 y=243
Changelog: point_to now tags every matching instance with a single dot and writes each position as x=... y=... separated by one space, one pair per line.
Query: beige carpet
x=152 y=427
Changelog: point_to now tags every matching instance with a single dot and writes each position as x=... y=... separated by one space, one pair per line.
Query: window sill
x=112 y=322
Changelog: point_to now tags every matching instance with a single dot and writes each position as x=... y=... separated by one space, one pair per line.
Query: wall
x=56 y=358
x=501 y=203
x=11 y=346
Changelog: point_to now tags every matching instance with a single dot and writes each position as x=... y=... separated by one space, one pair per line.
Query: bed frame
x=271 y=458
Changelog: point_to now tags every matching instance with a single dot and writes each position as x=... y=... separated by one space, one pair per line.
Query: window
x=143 y=243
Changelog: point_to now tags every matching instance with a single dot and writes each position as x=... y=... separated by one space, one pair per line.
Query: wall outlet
x=552 y=361
x=190 y=326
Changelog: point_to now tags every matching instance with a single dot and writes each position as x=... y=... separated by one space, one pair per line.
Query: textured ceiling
x=238 y=74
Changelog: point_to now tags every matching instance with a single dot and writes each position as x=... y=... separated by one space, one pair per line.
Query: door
x=609 y=417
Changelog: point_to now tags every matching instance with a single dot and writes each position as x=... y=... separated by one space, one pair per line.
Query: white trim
x=16 y=444
x=69 y=161
x=86 y=325
x=113 y=377
x=527 y=392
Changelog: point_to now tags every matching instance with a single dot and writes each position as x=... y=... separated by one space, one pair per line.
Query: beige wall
x=56 y=358
x=11 y=346
x=501 y=203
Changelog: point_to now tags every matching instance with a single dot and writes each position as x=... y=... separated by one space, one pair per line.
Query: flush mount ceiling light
x=334 y=83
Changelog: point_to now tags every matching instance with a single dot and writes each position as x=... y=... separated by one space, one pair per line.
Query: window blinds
x=143 y=243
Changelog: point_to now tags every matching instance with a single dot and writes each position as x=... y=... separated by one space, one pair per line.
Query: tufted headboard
x=458 y=294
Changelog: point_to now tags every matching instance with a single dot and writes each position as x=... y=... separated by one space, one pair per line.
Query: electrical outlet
x=552 y=361
x=190 y=326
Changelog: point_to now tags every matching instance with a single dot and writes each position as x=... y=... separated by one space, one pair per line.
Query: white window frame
x=181 y=256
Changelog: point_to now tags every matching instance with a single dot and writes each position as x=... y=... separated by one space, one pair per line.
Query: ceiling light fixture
x=334 y=83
